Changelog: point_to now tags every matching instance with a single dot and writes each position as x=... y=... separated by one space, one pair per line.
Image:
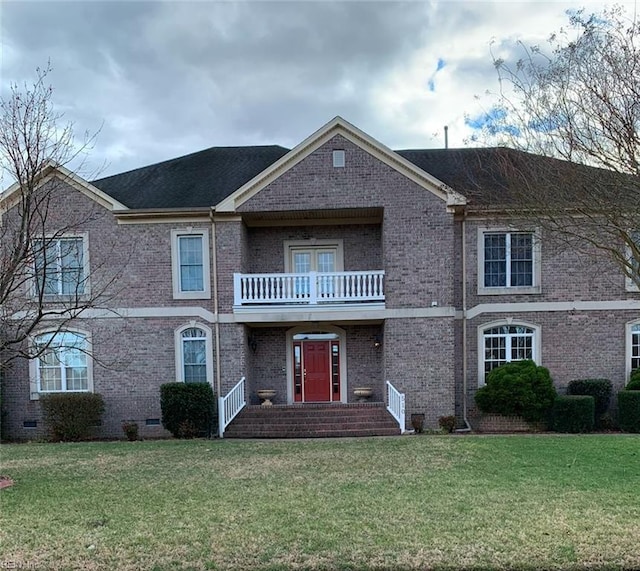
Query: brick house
x=312 y=271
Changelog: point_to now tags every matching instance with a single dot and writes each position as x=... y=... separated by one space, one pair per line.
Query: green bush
x=71 y=416
x=188 y=409
x=519 y=388
x=599 y=389
x=574 y=413
x=634 y=381
x=629 y=410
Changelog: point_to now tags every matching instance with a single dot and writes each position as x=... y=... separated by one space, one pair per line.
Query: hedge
x=629 y=410
x=71 y=416
x=188 y=409
x=520 y=388
x=574 y=413
x=599 y=389
x=634 y=381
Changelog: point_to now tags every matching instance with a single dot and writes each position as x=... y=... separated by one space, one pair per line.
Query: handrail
x=230 y=405
x=395 y=405
x=309 y=288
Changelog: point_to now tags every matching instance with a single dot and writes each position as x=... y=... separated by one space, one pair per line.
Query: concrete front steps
x=313 y=421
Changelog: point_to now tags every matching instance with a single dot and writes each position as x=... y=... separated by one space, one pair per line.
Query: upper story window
x=508 y=262
x=500 y=344
x=60 y=266
x=63 y=362
x=190 y=261
x=634 y=260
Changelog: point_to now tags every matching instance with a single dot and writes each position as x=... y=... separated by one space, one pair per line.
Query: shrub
x=71 y=416
x=634 y=381
x=574 y=413
x=629 y=410
x=520 y=388
x=447 y=423
x=188 y=409
x=130 y=430
x=599 y=389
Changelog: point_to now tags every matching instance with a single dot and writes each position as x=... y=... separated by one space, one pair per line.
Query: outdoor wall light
x=252 y=342
x=377 y=342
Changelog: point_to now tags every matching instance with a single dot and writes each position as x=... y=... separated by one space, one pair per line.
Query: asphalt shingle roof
x=485 y=176
x=197 y=180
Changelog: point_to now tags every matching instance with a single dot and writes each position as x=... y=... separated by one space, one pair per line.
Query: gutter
x=464 y=325
x=216 y=322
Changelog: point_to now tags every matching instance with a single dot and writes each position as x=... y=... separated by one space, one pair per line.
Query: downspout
x=464 y=325
x=216 y=322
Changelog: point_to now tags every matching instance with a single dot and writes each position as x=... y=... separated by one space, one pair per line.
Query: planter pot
x=265 y=395
x=363 y=393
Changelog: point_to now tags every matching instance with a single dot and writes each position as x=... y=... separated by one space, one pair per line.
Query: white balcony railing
x=312 y=288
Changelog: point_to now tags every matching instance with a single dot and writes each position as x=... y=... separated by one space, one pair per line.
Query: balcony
x=311 y=290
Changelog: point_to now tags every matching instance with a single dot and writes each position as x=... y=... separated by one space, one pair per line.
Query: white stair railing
x=395 y=405
x=230 y=405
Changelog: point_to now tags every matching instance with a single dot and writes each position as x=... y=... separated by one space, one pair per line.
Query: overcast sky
x=163 y=79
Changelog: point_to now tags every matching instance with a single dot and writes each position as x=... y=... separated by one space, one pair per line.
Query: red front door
x=317 y=375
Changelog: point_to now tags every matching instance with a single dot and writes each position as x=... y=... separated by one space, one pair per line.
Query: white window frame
x=291 y=246
x=86 y=268
x=178 y=293
x=631 y=285
x=536 y=343
x=34 y=368
x=179 y=354
x=629 y=345
x=535 y=288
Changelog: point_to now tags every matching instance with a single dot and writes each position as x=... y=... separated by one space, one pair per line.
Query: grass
x=430 y=502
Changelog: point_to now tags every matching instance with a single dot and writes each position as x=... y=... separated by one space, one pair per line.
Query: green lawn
x=418 y=502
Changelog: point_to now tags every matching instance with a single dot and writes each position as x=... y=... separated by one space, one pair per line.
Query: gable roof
x=225 y=177
x=338 y=126
x=200 y=179
x=51 y=170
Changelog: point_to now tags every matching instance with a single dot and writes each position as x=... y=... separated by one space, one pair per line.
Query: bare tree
x=43 y=280
x=576 y=100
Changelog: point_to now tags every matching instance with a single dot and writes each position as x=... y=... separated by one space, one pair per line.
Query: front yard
x=420 y=502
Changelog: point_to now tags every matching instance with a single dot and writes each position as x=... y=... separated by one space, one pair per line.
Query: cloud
x=163 y=79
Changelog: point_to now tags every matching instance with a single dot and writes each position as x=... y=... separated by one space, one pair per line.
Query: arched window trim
x=179 y=354
x=629 y=345
x=510 y=322
x=34 y=369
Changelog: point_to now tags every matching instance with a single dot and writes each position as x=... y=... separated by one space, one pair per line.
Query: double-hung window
x=190 y=260
x=60 y=266
x=508 y=262
x=633 y=248
x=62 y=364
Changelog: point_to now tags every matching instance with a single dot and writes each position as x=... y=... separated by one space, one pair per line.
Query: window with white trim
x=634 y=262
x=508 y=262
x=635 y=347
x=62 y=364
x=506 y=343
x=60 y=266
x=194 y=362
x=190 y=260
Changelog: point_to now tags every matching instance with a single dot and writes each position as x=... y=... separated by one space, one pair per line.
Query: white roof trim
x=52 y=170
x=338 y=126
